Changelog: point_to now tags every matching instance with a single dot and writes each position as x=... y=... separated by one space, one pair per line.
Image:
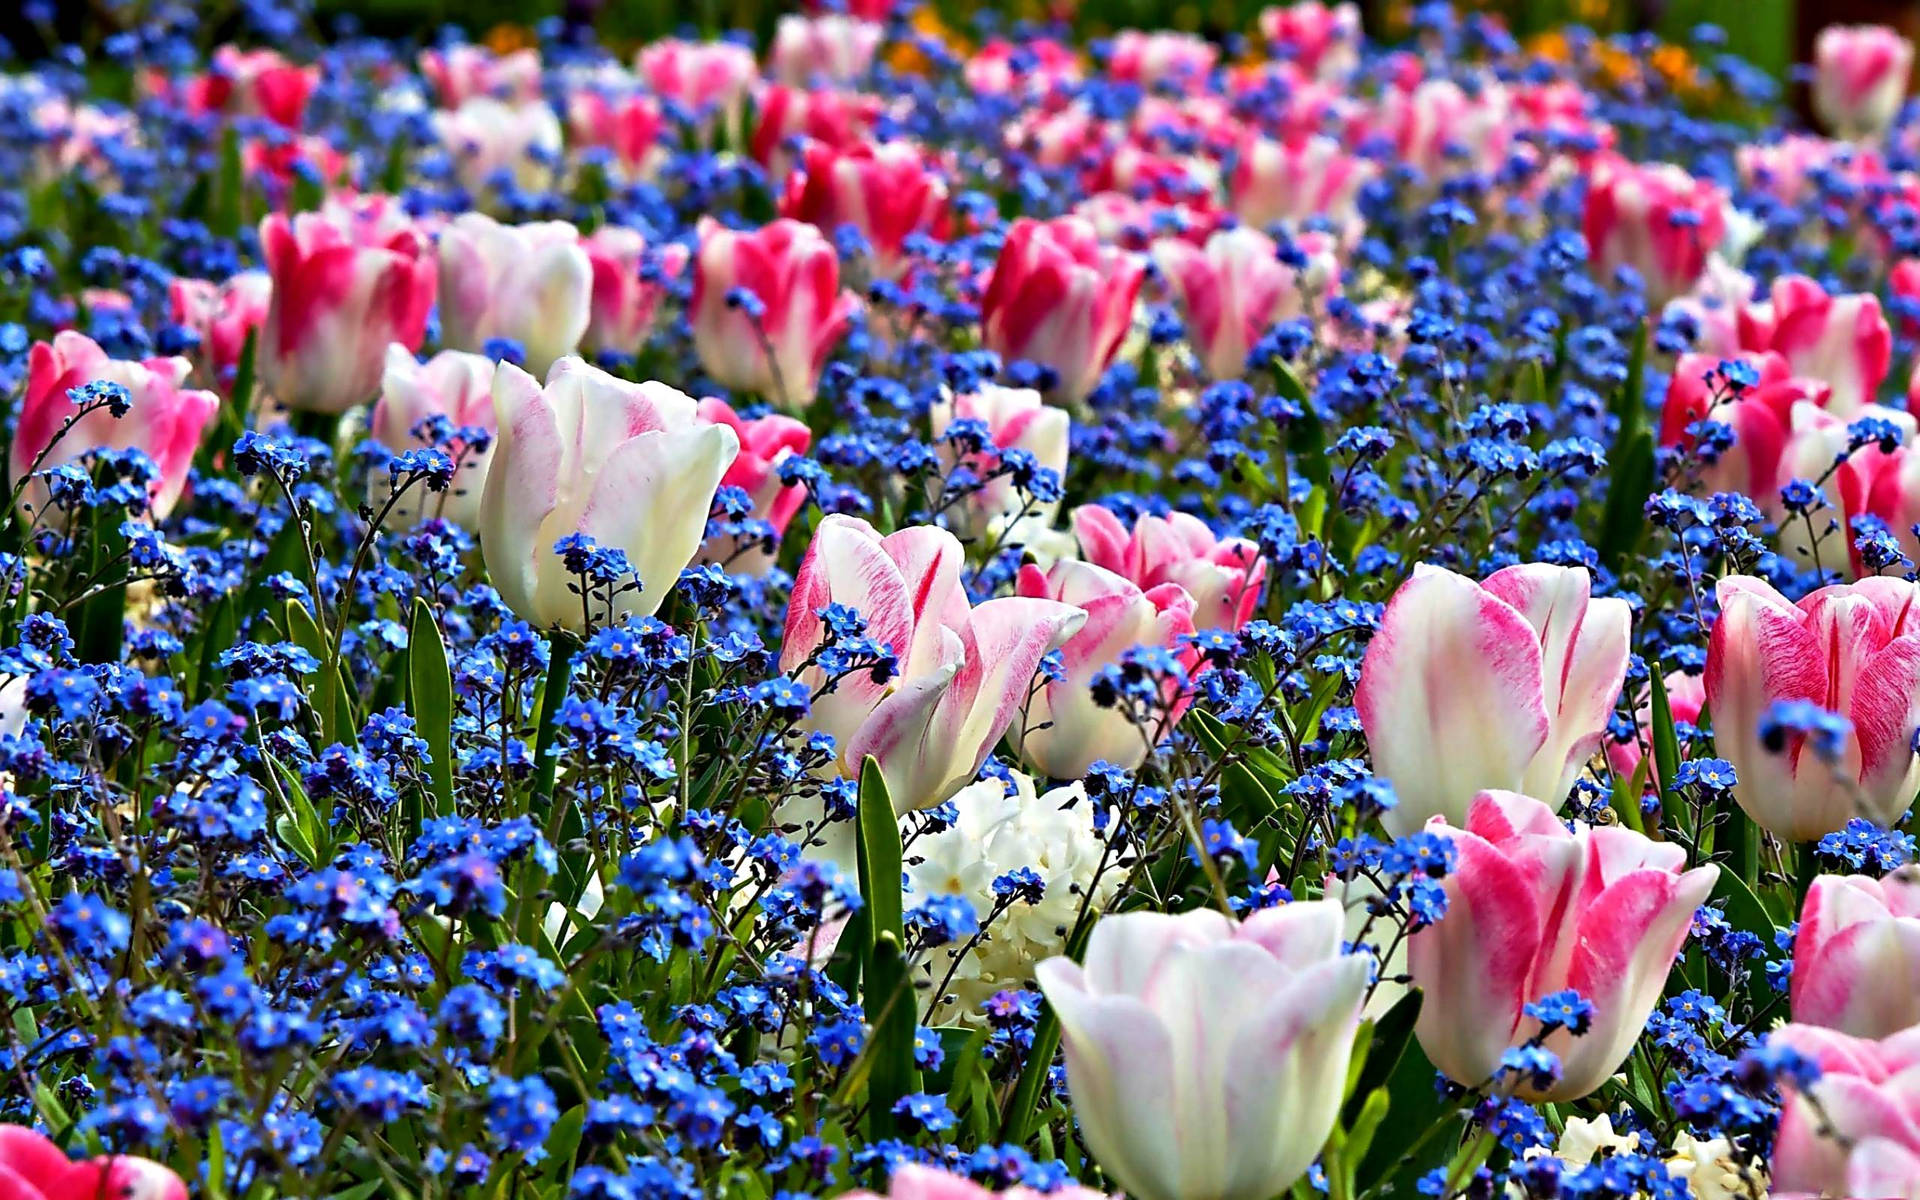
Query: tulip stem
x=561 y=647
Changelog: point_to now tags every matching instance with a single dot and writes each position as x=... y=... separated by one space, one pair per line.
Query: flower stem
x=561 y=648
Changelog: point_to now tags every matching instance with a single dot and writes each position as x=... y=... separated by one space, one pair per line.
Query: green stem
x=561 y=648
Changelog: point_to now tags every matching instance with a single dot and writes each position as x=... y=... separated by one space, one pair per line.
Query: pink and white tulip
x=632 y=128
x=1655 y=218
x=222 y=315
x=888 y=192
x=485 y=137
x=1533 y=909
x=838 y=119
x=1843 y=341
x=347 y=282
x=1064 y=730
x=1716 y=303
x=451 y=384
x=1854 y=649
x=630 y=465
x=1044 y=67
x=1292 y=181
x=1232 y=1107
x=1856 y=957
x=165 y=421
x=1061 y=298
x=830 y=48
x=33 y=1168
x=1860 y=75
x=1868 y=1091
x=765 y=443
x=1441 y=130
x=795 y=273
x=1154 y=59
x=963 y=670
x=1502 y=685
x=1016 y=419
x=711 y=79
x=253 y=83
x=630 y=279
x=1321 y=39
x=1236 y=288
x=1761 y=417
x=461 y=72
x=1223 y=575
x=531 y=283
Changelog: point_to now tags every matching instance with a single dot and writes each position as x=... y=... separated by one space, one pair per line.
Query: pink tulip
x=275 y=161
x=165 y=421
x=630 y=465
x=33 y=1168
x=453 y=385
x=1560 y=111
x=1037 y=67
x=1866 y=479
x=1716 y=303
x=485 y=137
x=1884 y=485
x=1016 y=419
x=1292 y=181
x=1860 y=78
x=831 y=48
x=1856 y=958
x=963 y=671
x=1840 y=340
x=911 y=1181
x=1440 y=129
x=711 y=79
x=1760 y=416
x=1321 y=39
x=1868 y=1090
x=1153 y=59
x=253 y=83
x=888 y=192
x=1236 y=288
x=461 y=72
x=530 y=283
x=1854 y=649
x=1885 y=1168
x=841 y=120
x=1655 y=218
x=347 y=281
x=632 y=127
x=1223 y=575
x=1207 y=1059
x=1789 y=169
x=1505 y=684
x=764 y=444
x=629 y=281
x=795 y=275
x=1060 y=298
x=1686 y=699
x=1533 y=909
x=1064 y=730
x=221 y=314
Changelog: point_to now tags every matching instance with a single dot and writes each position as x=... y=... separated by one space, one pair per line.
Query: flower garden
x=946 y=613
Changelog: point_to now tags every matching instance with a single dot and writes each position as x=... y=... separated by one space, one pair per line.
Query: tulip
x=1686 y=699
x=1856 y=957
x=1860 y=78
x=841 y=120
x=1016 y=419
x=962 y=671
x=530 y=283
x=461 y=72
x=709 y=78
x=453 y=385
x=164 y=422
x=887 y=192
x=628 y=464
x=1875 y=483
x=1223 y=575
x=486 y=137
x=221 y=315
x=831 y=48
x=776 y=344
x=1793 y=168
x=1153 y=59
x=629 y=281
x=1065 y=730
x=33 y=1168
x=1868 y=1090
x=1293 y=181
x=1760 y=416
x=1060 y=298
x=1037 y=67
x=633 y=128
x=1841 y=340
x=1853 y=648
x=1440 y=129
x=911 y=1181
x=1237 y=288
x=1885 y=1168
x=1655 y=218
x=1321 y=39
x=1903 y=281
x=1533 y=909
x=253 y=83
x=347 y=281
x=1505 y=684
x=1852 y=479
x=765 y=443
x=1207 y=1059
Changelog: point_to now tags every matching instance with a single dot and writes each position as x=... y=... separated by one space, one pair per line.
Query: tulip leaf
x=887 y=993
x=331 y=699
x=225 y=219
x=1623 y=521
x=100 y=625
x=1392 y=1033
x=1666 y=747
x=1416 y=1105
x=431 y=685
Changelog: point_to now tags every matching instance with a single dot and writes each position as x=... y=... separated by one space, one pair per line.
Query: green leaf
x=330 y=700
x=224 y=219
x=101 y=624
x=887 y=993
x=880 y=857
x=1306 y=433
x=1391 y=1035
x=1623 y=522
x=1666 y=746
x=431 y=684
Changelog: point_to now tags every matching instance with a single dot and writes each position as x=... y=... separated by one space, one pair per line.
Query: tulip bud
x=1154 y=59
x=629 y=465
x=831 y=48
x=629 y=281
x=911 y=1181
x=1232 y=1107
x=1505 y=684
x=1060 y=298
x=460 y=73
x=1321 y=39
x=632 y=127
x=709 y=79
x=887 y=192
x=1223 y=575
x=1842 y=341
x=486 y=137
x=994 y=500
x=1759 y=414
x=528 y=283
x=1293 y=181
x=453 y=385
x=1860 y=78
x=1867 y=1091
x=1686 y=699
x=794 y=313
x=1655 y=218
x=1856 y=957
x=765 y=443
x=33 y=1168
x=221 y=315
x=1237 y=288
